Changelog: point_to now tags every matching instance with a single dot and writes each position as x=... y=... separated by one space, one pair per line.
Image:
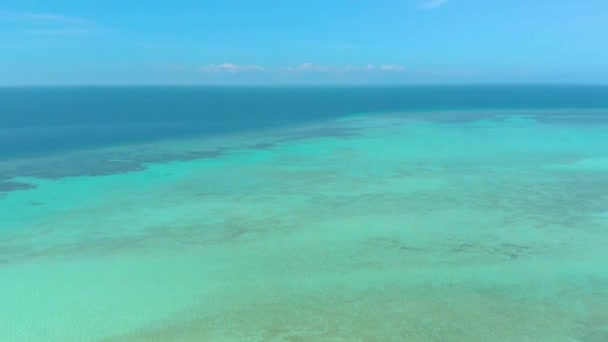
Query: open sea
x=420 y=213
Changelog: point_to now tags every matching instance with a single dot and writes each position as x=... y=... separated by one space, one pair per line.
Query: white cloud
x=67 y=32
x=53 y=18
x=301 y=68
x=42 y=17
x=432 y=4
x=392 y=67
x=308 y=67
x=231 y=68
x=52 y=24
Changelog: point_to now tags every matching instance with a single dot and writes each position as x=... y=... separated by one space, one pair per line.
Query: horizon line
x=307 y=85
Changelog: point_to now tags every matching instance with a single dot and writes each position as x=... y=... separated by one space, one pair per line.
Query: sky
x=250 y=42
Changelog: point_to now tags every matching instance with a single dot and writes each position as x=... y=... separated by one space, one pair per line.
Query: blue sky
x=303 y=42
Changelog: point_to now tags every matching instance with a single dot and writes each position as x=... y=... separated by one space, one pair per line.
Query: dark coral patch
x=7 y=186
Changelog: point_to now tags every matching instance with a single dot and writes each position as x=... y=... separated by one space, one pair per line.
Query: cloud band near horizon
x=302 y=68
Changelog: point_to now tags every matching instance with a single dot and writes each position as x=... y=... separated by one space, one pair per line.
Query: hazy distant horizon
x=310 y=85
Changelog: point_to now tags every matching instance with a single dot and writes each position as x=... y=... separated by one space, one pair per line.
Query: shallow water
x=443 y=226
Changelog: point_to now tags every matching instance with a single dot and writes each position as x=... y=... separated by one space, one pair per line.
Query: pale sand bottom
x=231 y=294
x=410 y=231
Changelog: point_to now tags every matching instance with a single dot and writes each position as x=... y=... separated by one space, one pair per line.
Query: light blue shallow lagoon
x=486 y=220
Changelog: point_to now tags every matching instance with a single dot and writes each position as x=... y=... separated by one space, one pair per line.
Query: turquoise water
x=469 y=225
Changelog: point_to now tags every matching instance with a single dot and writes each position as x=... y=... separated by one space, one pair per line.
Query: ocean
x=410 y=213
x=53 y=119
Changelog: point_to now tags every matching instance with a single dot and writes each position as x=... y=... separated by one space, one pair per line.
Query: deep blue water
x=50 y=119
